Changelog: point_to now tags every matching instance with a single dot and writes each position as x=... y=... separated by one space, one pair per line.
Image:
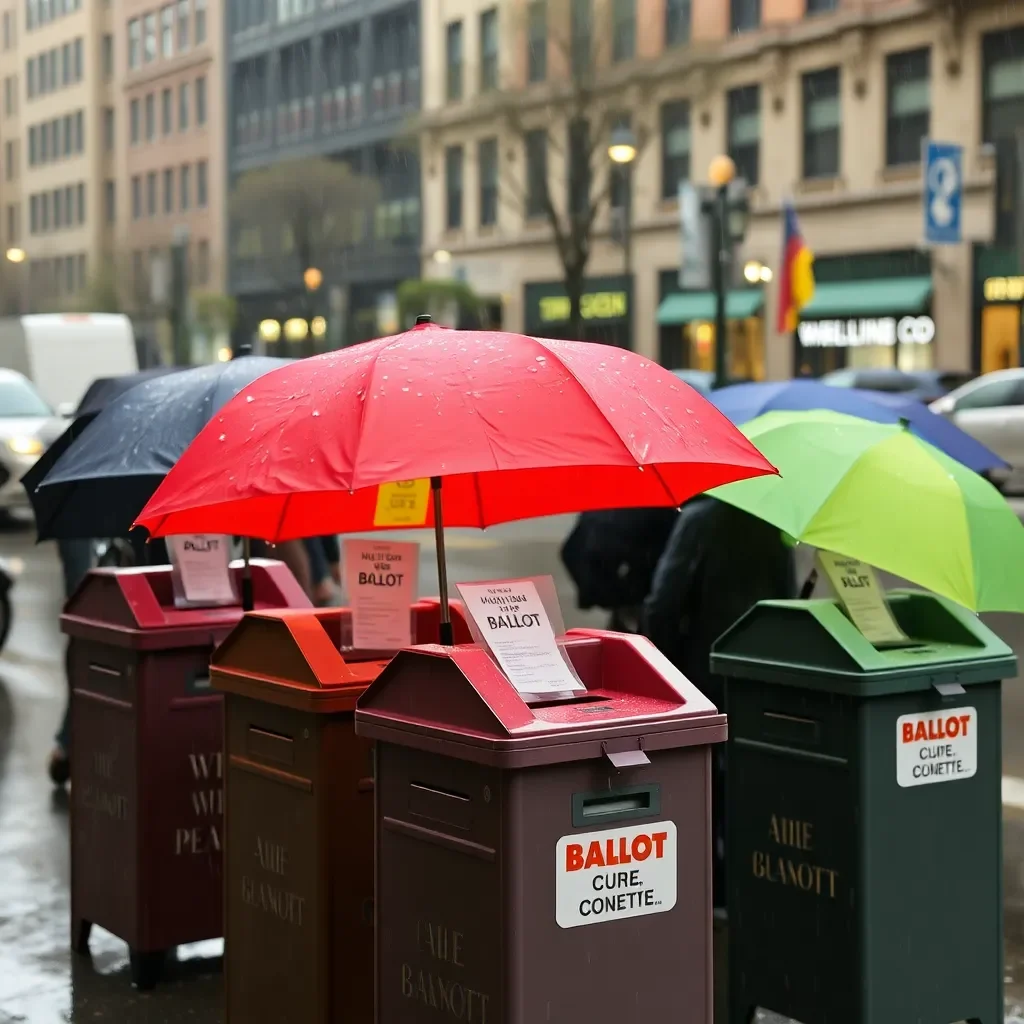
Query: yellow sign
x=1004 y=289
x=596 y=306
x=859 y=592
x=402 y=504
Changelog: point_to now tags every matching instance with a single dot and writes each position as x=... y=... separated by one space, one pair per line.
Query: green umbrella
x=876 y=492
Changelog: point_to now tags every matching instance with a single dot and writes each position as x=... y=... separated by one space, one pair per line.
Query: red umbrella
x=515 y=426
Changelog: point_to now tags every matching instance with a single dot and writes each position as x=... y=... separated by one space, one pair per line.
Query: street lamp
x=622 y=146
x=15 y=255
x=622 y=152
x=757 y=273
x=312 y=278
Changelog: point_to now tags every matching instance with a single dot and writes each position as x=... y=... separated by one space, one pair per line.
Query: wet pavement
x=42 y=982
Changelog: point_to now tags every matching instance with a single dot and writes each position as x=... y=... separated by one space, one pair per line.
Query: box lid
x=135 y=607
x=814 y=644
x=456 y=701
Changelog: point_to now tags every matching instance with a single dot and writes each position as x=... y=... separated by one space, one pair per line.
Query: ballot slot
x=624 y=803
x=267 y=745
x=438 y=804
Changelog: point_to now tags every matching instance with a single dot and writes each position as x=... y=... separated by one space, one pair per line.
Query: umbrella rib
x=479 y=500
x=280 y=518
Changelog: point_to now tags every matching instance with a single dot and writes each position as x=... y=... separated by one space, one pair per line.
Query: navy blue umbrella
x=743 y=402
x=102 y=480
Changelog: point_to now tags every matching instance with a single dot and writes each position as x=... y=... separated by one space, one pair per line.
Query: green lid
x=813 y=644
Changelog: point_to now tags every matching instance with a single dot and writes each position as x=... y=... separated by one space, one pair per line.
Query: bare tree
x=590 y=86
x=302 y=213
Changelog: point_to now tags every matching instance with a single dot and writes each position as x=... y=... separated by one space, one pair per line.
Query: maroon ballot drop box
x=548 y=861
x=147 y=740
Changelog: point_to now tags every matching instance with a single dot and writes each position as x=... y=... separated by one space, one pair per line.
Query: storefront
x=998 y=294
x=869 y=311
x=686 y=329
x=606 y=307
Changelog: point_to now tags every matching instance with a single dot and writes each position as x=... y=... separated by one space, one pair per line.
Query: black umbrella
x=108 y=472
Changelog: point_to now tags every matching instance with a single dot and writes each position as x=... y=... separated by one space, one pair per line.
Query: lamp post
x=312 y=278
x=622 y=152
x=182 y=343
x=17 y=256
x=721 y=174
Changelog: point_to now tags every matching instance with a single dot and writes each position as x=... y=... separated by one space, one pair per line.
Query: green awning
x=894 y=296
x=684 y=307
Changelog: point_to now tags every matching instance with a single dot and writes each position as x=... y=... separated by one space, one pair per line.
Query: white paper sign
x=514 y=624
x=202 y=562
x=617 y=873
x=940 y=746
x=381 y=580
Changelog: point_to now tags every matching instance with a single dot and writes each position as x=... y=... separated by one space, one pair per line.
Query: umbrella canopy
x=878 y=493
x=98 y=484
x=743 y=402
x=516 y=427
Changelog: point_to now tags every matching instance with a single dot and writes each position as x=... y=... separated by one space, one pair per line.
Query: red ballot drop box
x=298 y=872
x=147 y=740
x=542 y=861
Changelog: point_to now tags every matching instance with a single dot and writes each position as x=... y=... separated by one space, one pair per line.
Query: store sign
x=596 y=306
x=886 y=330
x=1004 y=289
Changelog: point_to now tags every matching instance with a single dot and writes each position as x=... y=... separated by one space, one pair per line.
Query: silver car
x=27 y=427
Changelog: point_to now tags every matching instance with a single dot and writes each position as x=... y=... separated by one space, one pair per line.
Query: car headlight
x=25 y=445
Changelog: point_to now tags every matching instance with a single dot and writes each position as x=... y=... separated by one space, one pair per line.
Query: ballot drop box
x=147 y=758
x=863 y=814
x=298 y=876
x=543 y=861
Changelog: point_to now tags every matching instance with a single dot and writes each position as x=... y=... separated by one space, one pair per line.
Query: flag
x=796 y=277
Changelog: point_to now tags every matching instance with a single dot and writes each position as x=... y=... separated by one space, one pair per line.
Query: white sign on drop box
x=616 y=873
x=381 y=579
x=201 y=564
x=937 y=746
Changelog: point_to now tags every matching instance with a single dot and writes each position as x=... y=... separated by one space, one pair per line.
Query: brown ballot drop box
x=544 y=861
x=298 y=877
x=146 y=758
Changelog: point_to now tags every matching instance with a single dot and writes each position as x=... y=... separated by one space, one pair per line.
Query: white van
x=63 y=353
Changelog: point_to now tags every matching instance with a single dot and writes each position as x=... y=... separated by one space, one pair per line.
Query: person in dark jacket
x=324 y=566
x=719 y=561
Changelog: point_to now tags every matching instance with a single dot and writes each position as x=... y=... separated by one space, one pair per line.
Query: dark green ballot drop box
x=863 y=815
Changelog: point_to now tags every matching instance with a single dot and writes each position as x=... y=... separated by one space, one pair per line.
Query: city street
x=40 y=981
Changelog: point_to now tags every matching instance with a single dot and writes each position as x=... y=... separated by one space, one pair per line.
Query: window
x=537 y=41
x=678 y=15
x=169 y=190
x=203 y=261
x=745 y=15
x=136 y=197
x=149 y=38
x=44 y=211
x=65 y=64
x=822 y=6
x=133 y=121
x=1003 y=86
x=489 y=50
x=151 y=194
x=108 y=129
x=134 y=43
x=33 y=214
x=58 y=210
x=487 y=169
x=201 y=100
x=183 y=106
x=150 y=117
x=80 y=191
x=201 y=185
x=623 y=29
x=69 y=201
x=908 y=112
x=107 y=57
x=995 y=394
x=110 y=201
x=8 y=96
x=453 y=187
x=186 y=187
x=167 y=111
x=536 y=145
x=675 y=147
x=581 y=35
x=9 y=160
x=44 y=144
x=744 y=113
x=821 y=123
x=78 y=59
x=579 y=166
x=7 y=30
x=182 y=25
x=454 y=60
x=12 y=223
x=200 y=28
x=33 y=147
x=30 y=77
x=167 y=31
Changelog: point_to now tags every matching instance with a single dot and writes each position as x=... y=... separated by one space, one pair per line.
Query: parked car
x=924 y=385
x=28 y=427
x=991 y=409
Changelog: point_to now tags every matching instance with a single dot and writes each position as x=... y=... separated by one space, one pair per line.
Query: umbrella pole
x=445 y=635
x=247 y=596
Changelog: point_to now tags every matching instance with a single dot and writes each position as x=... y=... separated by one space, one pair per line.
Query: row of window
x=144 y=264
x=253 y=14
x=42 y=12
x=173 y=29
x=487 y=28
x=56 y=209
x=58 y=276
x=487 y=179
x=147 y=203
x=745 y=15
x=54 y=69
x=57 y=139
x=142 y=123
